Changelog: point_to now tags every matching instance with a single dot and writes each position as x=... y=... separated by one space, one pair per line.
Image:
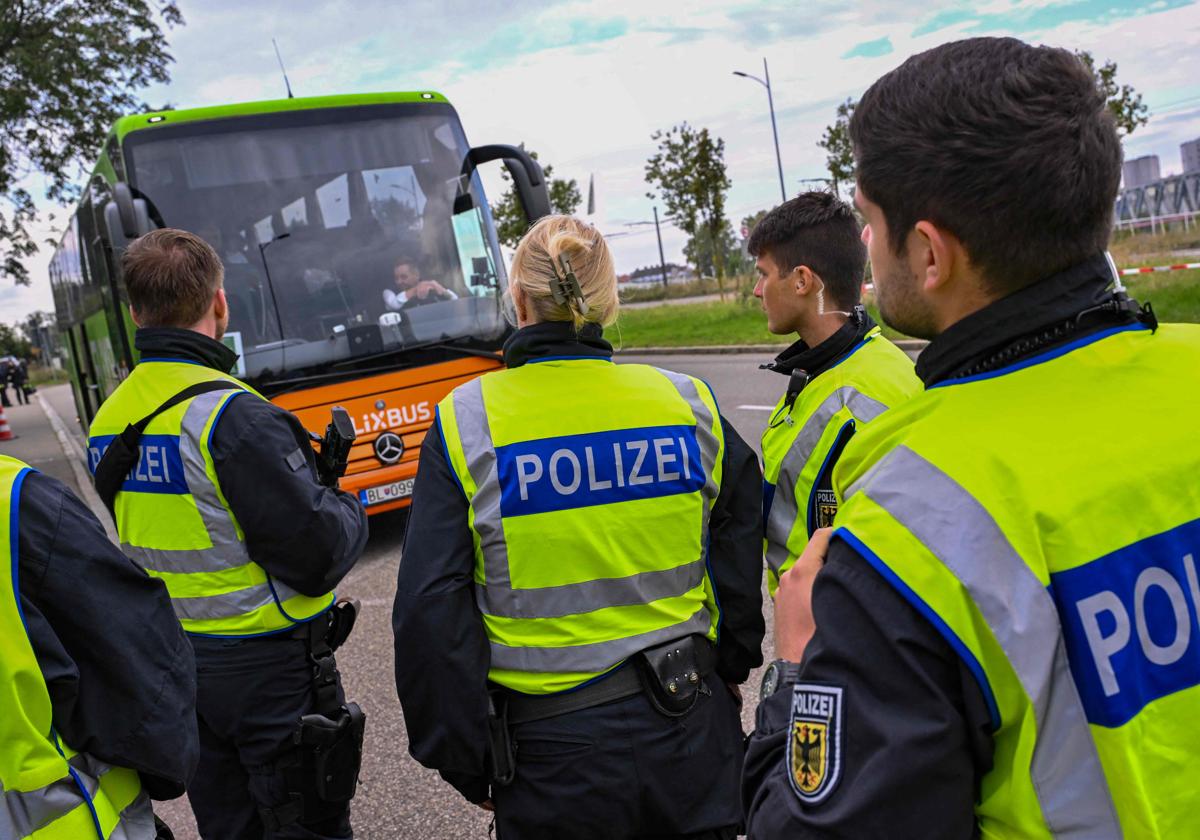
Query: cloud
x=586 y=82
x=870 y=49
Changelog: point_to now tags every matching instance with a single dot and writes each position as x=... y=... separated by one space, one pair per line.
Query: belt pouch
x=672 y=675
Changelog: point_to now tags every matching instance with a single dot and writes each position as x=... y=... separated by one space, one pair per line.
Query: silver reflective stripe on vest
x=182 y=561
x=24 y=812
x=227 y=551
x=786 y=508
x=498 y=597
x=956 y=528
x=584 y=658
x=137 y=821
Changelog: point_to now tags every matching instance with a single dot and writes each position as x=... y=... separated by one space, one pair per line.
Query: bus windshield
x=346 y=234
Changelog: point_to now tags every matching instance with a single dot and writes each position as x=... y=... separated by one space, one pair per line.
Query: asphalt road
x=398 y=798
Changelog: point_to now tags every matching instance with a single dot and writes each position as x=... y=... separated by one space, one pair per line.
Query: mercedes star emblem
x=389 y=447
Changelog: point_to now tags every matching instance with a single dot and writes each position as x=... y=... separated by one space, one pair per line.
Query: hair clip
x=566 y=288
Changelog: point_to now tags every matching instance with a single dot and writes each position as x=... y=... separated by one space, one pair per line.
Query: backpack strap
x=122 y=454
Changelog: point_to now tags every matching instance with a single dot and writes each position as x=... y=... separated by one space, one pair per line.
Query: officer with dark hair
x=1002 y=639
x=841 y=372
x=223 y=502
x=97 y=681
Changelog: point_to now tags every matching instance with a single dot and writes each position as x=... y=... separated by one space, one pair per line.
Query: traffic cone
x=5 y=431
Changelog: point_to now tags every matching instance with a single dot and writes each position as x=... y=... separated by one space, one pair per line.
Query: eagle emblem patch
x=826 y=507
x=815 y=741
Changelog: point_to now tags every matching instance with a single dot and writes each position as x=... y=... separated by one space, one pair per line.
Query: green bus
x=313 y=205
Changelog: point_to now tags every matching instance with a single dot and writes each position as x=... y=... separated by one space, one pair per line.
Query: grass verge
x=1175 y=296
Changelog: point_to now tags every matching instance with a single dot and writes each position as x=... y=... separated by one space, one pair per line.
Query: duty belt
x=623 y=681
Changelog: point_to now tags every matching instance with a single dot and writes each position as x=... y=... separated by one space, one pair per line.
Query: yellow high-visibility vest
x=590 y=486
x=172 y=517
x=1045 y=518
x=47 y=790
x=800 y=441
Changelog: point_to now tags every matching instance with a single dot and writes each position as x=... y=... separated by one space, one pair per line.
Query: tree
x=12 y=343
x=511 y=222
x=68 y=70
x=688 y=170
x=699 y=252
x=1124 y=102
x=839 y=151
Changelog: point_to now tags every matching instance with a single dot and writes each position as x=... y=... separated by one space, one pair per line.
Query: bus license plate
x=387 y=492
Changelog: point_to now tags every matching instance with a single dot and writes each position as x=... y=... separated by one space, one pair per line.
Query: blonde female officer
x=580 y=589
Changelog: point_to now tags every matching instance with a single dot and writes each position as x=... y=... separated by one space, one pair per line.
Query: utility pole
x=662 y=262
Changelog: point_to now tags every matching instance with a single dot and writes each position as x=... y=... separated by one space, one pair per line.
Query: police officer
x=224 y=505
x=97 y=682
x=582 y=556
x=1005 y=626
x=841 y=373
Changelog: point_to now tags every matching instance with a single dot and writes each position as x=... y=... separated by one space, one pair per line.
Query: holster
x=323 y=764
x=502 y=759
x=673 y=674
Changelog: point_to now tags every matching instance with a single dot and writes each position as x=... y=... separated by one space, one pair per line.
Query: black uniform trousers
x=251 y=693
x=622 y=771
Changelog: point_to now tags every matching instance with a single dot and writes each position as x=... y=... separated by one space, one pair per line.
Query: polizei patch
x=815 y=741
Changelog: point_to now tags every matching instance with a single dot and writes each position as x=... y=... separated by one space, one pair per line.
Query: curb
x=77 y=459
x=908 y=345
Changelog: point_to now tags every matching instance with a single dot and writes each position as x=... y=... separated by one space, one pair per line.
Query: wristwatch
x=779 y=673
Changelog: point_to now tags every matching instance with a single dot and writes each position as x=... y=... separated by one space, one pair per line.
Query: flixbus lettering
x=393 y=418
x=600 y=468
x=1131 y=620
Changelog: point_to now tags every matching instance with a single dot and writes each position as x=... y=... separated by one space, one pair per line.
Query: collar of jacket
x=555 y=339
x=185 y=346
x=1063 y=306
x=816 y=360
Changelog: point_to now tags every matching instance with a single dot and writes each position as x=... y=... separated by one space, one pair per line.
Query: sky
x=586 y=83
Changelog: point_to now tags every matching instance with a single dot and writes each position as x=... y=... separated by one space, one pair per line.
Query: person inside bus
x=410 y=289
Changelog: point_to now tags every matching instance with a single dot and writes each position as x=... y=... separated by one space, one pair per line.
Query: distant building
x=1140 y=171
x=1190 y=152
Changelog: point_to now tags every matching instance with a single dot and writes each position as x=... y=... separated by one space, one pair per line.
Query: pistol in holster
x=323 y=763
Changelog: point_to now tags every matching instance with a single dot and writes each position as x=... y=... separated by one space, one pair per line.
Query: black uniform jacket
x=917 y=733
x=442 y=653
x=118 y=667
x=301 y=532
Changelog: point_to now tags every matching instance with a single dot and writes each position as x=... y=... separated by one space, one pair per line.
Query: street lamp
x=766 y=82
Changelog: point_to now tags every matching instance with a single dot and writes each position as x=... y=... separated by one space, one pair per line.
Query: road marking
x=757 y=407
x=76 y=459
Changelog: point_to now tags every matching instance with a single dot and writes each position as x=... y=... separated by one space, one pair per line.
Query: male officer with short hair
x=841 y=371
x=225 y=506
x=1005 y=633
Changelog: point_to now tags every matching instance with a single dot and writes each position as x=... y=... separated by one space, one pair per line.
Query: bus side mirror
x=526 y=174
x=125 y=217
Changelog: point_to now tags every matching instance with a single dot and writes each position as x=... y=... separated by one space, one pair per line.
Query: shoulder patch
x=815 y=741
x=826 y=507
